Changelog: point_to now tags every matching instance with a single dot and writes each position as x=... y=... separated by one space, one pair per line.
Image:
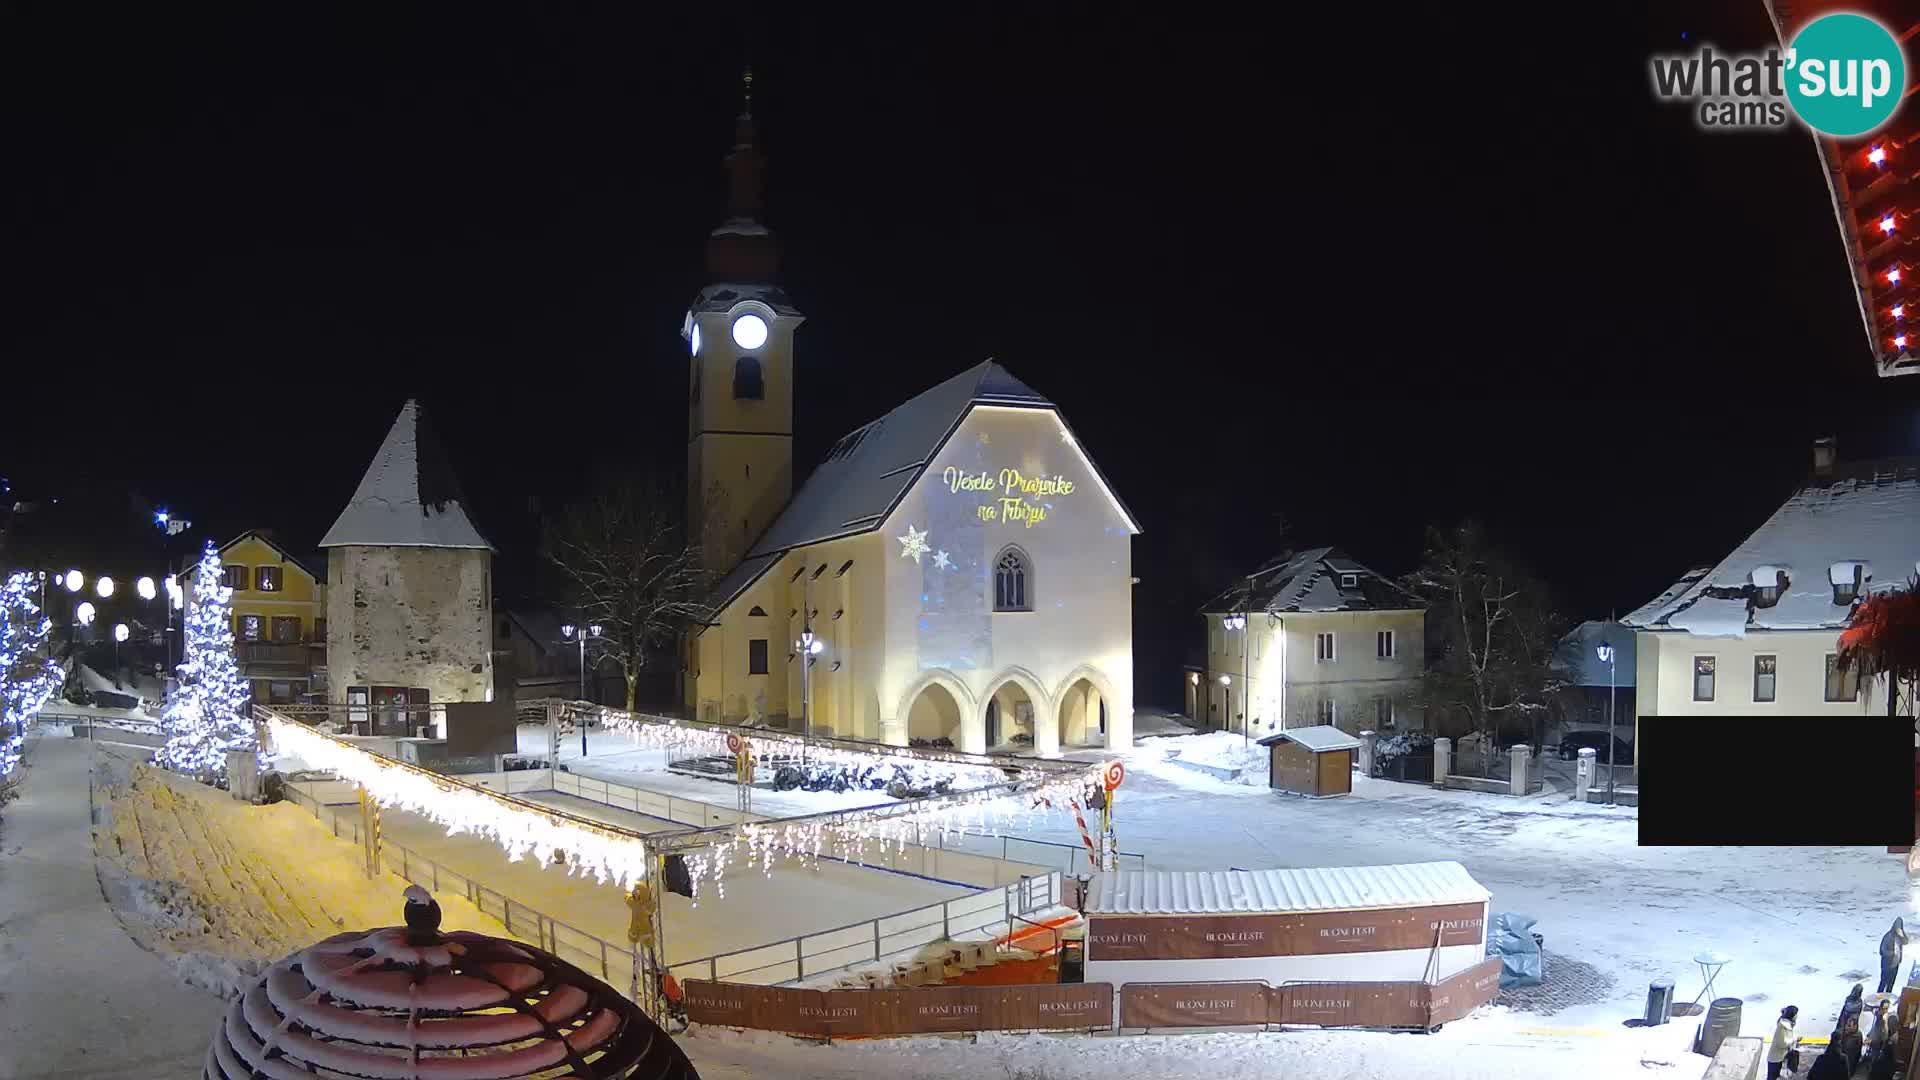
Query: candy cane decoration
x=1093 y=859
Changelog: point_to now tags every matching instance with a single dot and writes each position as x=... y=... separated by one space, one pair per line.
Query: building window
x=757 y=656
x=1349 y=581
x=280 y=692
x=1703 y=678
x=844 y=567
x=1845 y=592
x=320 y=631
x=234 y=577
x=1383 y=712
x=747 y=384
x=1323 y=648
x=1329 y=713
x=694 y=396
x=266 y=578
x=286 y=630
x=1383 y=644
x=757 y=612
x=250 y=628
x=1764 y=668
x=1012 y=589
x=1842 y=685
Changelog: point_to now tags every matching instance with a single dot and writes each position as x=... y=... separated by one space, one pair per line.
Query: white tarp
x=1343 y=888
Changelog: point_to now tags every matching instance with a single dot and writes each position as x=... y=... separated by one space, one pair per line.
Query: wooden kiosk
x=1316 y=761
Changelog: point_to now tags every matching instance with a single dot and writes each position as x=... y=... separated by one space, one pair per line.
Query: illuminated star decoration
x=940 y=560
x=914 y=544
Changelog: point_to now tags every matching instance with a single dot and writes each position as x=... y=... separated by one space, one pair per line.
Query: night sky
x=1360 y=271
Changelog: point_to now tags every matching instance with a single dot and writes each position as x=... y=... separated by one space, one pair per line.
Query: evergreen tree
x=28 y=675
x=207 y=715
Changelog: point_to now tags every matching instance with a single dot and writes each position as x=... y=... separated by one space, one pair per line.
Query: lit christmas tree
x=207 y=715
x=28 y=676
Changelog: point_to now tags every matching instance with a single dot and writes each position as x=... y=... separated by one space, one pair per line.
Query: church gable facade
x=990 y=607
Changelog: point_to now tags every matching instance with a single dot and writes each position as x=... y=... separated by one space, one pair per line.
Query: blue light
x=159 y=517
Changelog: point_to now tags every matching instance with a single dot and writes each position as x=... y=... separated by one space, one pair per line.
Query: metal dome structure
x=412 y=1003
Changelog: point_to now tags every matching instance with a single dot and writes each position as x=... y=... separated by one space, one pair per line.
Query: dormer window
x=1349 y=581
x=1847 y=579
x=1768 y=583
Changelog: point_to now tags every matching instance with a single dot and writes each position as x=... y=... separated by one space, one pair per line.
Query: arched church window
x=747 y=384
x=1012 y=581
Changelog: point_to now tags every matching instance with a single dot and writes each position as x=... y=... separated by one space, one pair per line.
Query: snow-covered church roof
x=1313 y=580
x=408 y=498
x=868 y=472
x=1866 y=515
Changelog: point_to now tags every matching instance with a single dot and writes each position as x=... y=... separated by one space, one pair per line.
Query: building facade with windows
x=279 y=616
x=960 y=567
x=1311 y=637
x=1759 y=631
x=409 y=590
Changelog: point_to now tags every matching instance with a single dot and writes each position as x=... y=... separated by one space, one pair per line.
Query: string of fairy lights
x=993 y=806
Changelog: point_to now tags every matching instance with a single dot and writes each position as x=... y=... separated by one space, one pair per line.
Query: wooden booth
x=1315 y=760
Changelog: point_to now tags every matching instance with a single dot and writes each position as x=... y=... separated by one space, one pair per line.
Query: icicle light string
x=854 y=768
x=607 y=855
x=28 y=675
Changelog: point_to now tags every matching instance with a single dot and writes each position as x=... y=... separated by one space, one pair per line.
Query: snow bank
x=222 y=888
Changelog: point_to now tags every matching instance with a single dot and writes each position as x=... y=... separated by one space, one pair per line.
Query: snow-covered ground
x=1801 y=925
x=222 y=888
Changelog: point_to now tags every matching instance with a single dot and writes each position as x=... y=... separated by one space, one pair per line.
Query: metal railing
x=873 y=940
x=616 y=964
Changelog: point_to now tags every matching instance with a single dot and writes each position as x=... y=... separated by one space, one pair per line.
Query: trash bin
x=1659 y=1002
x=1723 y=1020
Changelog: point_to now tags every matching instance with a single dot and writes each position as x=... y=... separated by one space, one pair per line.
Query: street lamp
x=105 y=587
x=119 y=635
x=1606 y=657
x=84 y=613
x=145 y=588
x=808 y=647
x=582 y=635
x=74 y=580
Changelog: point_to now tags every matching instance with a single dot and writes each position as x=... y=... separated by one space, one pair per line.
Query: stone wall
x=409 y=616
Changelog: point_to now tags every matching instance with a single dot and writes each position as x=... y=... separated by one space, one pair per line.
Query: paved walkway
x=78 y=999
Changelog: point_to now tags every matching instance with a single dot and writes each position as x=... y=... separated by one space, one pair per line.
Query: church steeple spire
x=742 y=249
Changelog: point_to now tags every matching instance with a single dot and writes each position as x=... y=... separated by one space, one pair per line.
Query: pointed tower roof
x=409 y=497
x=743 y=249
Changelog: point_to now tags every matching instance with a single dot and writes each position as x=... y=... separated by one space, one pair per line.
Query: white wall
x=940 y=624
x=1288 y=681
x=1664 y=671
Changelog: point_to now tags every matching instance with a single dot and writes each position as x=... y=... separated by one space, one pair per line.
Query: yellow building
x=279 y=616
x=957 y=570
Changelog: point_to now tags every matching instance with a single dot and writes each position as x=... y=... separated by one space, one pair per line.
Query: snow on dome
x=408 y=497
x=461 y=1006
x=741 y=227
x=1767 y=576
x=1848 y=572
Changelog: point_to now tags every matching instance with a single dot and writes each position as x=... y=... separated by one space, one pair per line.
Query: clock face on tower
x=749 y=331
x=693 y=339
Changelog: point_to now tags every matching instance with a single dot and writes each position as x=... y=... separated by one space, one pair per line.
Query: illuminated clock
x=749 y=331
x=693 y=339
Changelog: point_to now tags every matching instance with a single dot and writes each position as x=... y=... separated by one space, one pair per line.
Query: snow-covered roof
x=1578 y=654
x=408 y=498
x=315 y=565
x=1867 y=513
x=868 y=472
x=1340 y=888
x=1310 y=580
x=722 y=296
x=1318 y=738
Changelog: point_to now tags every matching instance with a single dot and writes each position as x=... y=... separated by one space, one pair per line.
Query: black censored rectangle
x=1776 y=781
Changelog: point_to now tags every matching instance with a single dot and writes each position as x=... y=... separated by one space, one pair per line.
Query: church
x=956 y=572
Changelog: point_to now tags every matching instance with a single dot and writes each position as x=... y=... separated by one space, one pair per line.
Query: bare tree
x=1491 y=635
x=624 y=555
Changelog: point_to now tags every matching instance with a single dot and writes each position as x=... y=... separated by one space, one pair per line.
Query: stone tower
x=409 y=597
x=739 y=334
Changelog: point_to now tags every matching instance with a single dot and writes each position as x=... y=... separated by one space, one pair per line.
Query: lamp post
x=1606 y=657
x=582 y=635
x=808 y=647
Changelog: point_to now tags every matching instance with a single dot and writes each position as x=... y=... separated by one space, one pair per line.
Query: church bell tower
x=739 y=335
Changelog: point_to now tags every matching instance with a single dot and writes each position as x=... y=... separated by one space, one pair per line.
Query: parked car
x=1577 y=741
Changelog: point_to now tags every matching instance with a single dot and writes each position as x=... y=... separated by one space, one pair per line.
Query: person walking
x=1781 y=1049
x=1846 y=1033
x=1892 y=944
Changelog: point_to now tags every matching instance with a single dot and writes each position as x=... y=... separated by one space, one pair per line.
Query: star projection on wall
x=914 y=544
x=940 y=560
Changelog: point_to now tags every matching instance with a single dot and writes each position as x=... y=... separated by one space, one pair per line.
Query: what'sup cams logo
x=1843 y=75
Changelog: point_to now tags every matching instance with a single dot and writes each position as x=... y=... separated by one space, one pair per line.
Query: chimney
x=1824 y=451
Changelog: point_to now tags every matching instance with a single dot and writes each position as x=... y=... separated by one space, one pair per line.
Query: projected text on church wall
x=1009 y=496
